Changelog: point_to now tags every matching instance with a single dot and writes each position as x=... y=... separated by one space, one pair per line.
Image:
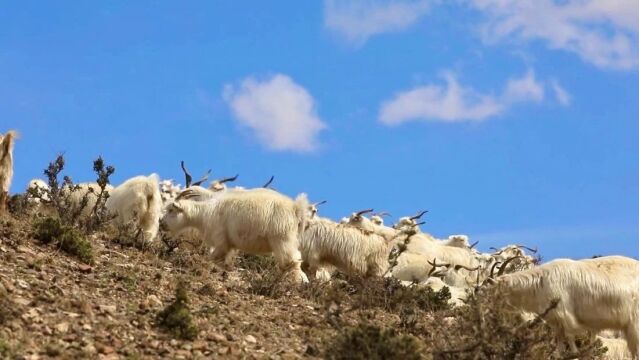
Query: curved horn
x=362 y=212
x=492 y=268
x=269 y=181
x=503 y=266
x=435 y=264
x=419 y=215
x=497 y=251
x=225 y=180
x=188 y=176
x=420 y=223
x=534 y=251
x=473 y=244
x=202 y=179
x=186 y=194
x=457 y=267
x=320 y=203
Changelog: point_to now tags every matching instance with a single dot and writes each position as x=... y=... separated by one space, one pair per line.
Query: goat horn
x=225 y=180
x=474 y=244
x=420 y=223
x=320 y=203
x=269 y=181
x=362 y=212
x=186 y=174
x=185 y=194
x=202 y=179
x=435 y=264
x=534 y=251
x=418 y=215
x=457 y=267
x=503 y=266
x=492 y=268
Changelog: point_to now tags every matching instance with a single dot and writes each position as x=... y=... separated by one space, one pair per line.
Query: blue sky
x=513 y=121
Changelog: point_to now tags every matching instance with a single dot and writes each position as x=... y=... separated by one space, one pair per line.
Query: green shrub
x=61 y=197
x=371 y=343
x=176 y=318
x=51 y=230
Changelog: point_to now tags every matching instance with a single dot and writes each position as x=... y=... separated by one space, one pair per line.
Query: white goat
x=7 y=142
x=138 y=199
x=617 y=349
x=349 y=249
x=594 y=295
x=169 y=190
x=41 y=187
x=252 y=221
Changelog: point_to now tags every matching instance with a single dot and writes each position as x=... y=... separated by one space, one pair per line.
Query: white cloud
x=602 y=32
x=524 y=89
x=281 y=113
x=561 y=94
x=357 y=20
x=451 y=103
x=456 y=103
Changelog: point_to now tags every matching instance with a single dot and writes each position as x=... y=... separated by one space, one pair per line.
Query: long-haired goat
x=138 y=199
x=351 y=250
x=7 y=142
x=594 y=295
x=252 y=221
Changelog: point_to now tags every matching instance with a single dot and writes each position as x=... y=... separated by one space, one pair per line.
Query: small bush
x=371 y=342
x=19 y=205
x=51 y=230
x=488 y=328
x=70 y=201
x=73 y=242
x=176 y=318
x=390 y=295
x=256 y=263
x=48 y=229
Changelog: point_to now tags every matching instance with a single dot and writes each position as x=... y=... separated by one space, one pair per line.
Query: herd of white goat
x=596 y=296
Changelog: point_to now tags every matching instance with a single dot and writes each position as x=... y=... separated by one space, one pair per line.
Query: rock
x=85 y=268
x=62 y=328
x=173 y=342
x=108 y=309
x=89 y=349
x=105 y=349
x=250 y=339
x=22 y=284
x=200 y=345
x=217 y=337
x=153 y=301
x=8 y=286
x=25 y=250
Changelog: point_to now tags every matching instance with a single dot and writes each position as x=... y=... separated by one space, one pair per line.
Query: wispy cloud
x=454 y=102
x=561 y=94
x=281 y=113
x=602 y=32
x=357 y=20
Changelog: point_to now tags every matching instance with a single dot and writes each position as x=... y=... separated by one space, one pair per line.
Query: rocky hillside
x=120 y=302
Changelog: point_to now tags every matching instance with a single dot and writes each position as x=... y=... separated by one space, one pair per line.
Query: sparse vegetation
x=74 y=205
x=176 y=318
x=371 y=342
x=67 y=238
